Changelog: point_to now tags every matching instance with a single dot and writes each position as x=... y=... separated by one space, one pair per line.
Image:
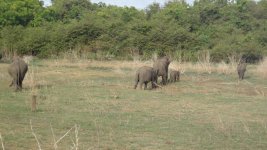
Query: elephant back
x=18 y=68
x=13 y=69
x=145 y=72
x=161 y=65
x=241 y=66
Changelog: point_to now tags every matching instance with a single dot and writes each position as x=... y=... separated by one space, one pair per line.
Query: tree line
x=222 y=27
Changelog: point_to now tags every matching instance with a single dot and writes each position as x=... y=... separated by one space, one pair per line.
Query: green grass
x=202 y=111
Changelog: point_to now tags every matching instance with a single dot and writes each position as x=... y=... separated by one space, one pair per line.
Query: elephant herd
x=145 y=74
x=160 y=68
x=18 y=68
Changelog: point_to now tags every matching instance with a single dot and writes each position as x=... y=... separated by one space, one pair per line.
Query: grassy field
x=92 y=105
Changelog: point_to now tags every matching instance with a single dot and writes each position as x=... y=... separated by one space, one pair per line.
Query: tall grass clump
x=204 y=63
x=178 y=65
x=261 y=69
x=230 y=67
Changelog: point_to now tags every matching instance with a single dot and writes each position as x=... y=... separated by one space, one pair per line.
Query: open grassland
x=92 y=105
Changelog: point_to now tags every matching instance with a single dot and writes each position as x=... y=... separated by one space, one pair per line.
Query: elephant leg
x=15 y=83
x=164 y=79
x=152 y=85
x=136 y=83
x=20 y=83
x=21 y=80
x=11 y=84
x=16 y=87
x=145 y=86
x=141 y=85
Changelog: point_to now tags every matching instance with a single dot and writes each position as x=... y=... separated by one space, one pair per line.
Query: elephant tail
x=136 y=80
x=19 y=73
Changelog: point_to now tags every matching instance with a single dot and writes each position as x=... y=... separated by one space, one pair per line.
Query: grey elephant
x=241 y=69
x=17 y=71
x=161 y=66
x=174 y=75
x=144 y=75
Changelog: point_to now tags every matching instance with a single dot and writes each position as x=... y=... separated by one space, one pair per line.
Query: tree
x=70 y=9
x=18 y=12
x=152 y=10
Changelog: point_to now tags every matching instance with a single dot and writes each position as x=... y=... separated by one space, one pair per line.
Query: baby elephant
x=144 y=75
x=17 y=71
x=241 y=69
x=174 y=75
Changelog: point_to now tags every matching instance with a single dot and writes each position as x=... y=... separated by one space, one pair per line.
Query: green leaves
x=18 y=12
x=220 y=26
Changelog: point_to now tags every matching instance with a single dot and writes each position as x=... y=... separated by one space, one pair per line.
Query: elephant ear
x=242 y=61
x=169 y=59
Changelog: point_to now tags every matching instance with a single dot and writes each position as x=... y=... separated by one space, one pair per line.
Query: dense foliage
x=222 y=27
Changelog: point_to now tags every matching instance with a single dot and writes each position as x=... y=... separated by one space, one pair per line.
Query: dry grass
x=261 y=69
x=221 y=68
x=183 y=67
x=204 y=64
x=203 y=108
x=226 y=68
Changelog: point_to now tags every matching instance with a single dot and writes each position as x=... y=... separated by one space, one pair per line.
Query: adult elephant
x=144 y=75
x=17 y=71
x=161 y=66
x=241 y=69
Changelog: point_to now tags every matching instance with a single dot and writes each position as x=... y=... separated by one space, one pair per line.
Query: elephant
x=144 y=75
x=174 y=75
x=241 y=69
x=17 y=70
x=161 y=66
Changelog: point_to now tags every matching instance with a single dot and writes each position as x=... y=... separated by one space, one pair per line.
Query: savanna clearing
x=86 y=104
